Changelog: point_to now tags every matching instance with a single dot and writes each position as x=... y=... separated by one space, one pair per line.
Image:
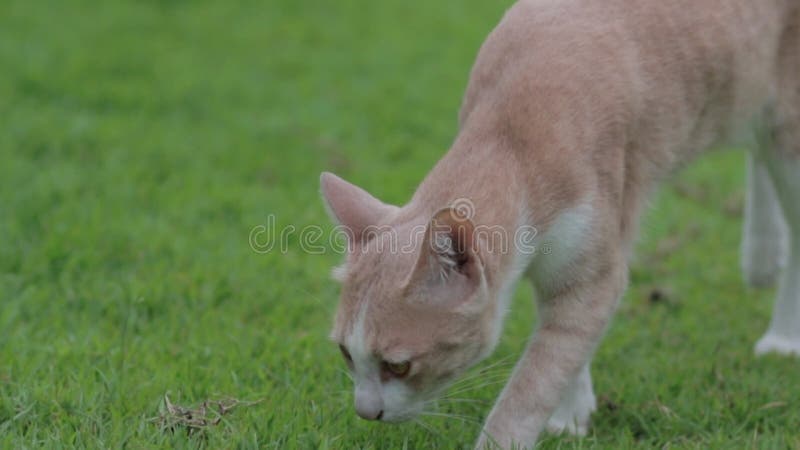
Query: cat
x=574 y=111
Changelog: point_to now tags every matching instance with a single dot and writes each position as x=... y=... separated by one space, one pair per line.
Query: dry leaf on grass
x=207 y=414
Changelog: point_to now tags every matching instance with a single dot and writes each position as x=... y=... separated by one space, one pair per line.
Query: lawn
x=143 y=141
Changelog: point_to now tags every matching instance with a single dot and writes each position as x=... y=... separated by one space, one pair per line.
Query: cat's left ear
x=355 y=211
x=449 y=256
x=352 y=207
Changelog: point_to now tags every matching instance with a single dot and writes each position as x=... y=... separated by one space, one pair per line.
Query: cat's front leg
x=571 y=324
x=578 y=402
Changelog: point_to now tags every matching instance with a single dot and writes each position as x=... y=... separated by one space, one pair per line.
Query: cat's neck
x=508 y=185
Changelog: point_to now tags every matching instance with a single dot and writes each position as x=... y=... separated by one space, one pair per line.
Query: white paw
x=573 y=417
x=762 y=260
x=569 y=426
x=772 y=343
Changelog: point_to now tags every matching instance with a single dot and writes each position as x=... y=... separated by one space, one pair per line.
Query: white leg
x=764 y=240
x=783 y=335
x=577 y=405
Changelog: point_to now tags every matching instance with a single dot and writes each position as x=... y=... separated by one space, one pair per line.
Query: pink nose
x=369 y=405
x=370 y=415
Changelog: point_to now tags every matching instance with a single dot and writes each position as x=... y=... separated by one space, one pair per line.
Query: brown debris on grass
x=734 y=205
x=606 y=403
x=771 y=405
x=208 y=414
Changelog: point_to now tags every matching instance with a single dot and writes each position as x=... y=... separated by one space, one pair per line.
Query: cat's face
x=403 y=342
x=409 y=322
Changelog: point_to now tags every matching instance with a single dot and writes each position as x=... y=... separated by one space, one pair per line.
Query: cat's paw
x=772 y=343
x=567 y=425
x=573 y=417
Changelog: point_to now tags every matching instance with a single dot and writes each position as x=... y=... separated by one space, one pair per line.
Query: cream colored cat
x=575 y=110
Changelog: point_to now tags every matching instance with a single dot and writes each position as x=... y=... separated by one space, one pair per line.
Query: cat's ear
x=449 y=256
x=350 y=206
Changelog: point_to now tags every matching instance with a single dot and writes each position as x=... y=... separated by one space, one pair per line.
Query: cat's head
x=416 y=310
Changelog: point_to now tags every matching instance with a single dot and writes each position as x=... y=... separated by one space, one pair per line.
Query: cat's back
x=620 y=52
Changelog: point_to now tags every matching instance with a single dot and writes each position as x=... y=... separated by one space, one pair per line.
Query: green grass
x=142 y=142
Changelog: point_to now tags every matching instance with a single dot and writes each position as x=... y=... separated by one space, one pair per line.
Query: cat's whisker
x=346 y=372
x=502 y=362
x=469 y=380
x=428 y=428
x=437 y=405
x=474 y=387
x=487 y=377
x=506 y=360
x=486 y=371
x=477 y=384
x=462 y=400
x=463 y=418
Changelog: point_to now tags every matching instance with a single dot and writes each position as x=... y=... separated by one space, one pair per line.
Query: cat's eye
x=346 y=354
x=397 y=370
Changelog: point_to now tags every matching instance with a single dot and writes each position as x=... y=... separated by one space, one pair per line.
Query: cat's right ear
x=449 y=268
x=351 y=207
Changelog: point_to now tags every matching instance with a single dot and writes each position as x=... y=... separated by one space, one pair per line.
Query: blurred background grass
x=141 y=143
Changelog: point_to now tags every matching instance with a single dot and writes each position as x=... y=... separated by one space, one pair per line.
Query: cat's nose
x=369 y=405
x=370 y=415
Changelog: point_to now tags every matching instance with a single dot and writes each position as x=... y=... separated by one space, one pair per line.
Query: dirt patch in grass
x=207 y=414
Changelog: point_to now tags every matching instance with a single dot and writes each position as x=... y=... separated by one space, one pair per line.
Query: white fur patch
x=772 y=343
x=356 y=343
x=397 y=401
x=563 y=242
x=578 y=402
x=339 y=273
x=783 y=335
x=765 y=236
x=395 y=396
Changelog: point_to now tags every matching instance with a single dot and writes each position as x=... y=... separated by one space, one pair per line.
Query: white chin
x=399 y=417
